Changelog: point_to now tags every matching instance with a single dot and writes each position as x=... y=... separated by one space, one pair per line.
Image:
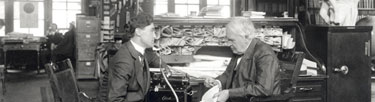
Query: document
x=209 y=95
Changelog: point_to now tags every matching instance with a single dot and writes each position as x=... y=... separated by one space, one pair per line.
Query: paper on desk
x=210 y=65
x=205 y=66
x=199 y=72
x=209 y=95
x=209 y=57
x=309 y=63
x=311 y=72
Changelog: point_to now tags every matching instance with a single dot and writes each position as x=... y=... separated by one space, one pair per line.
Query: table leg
x=38 y=62
x=5 y=62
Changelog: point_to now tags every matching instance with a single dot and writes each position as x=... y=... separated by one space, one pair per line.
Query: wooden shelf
x=198 y=45
x=366 y=9
x=360 y=9
x=214 y=21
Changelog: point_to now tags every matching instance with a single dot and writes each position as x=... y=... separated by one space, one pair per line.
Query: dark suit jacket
x=126 y=80
x=257 y=74
x=66 y=47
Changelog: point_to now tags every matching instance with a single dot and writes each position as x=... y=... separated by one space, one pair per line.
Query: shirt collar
x=139 y=48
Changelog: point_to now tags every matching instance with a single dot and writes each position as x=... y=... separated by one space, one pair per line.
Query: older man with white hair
x=252 y=71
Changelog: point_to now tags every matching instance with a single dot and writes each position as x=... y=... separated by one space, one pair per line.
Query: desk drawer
x=21 y=47
x=307 y=100
x=309 y=91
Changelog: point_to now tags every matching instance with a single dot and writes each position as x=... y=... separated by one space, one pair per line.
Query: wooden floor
x=373 y=91
x=33 y=87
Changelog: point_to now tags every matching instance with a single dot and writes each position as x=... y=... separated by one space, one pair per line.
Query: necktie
x=142 y=59
x=234 y=74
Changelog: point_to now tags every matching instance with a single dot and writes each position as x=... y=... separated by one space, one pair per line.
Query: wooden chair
x=64 y=84
x=290 y=64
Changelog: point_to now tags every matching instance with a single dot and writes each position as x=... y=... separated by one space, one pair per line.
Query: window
x=39 y=30
x=190 y=7
x=225 y=4
x=186 y=7
x=161 y=7
x=64 y=12
x=2 y=16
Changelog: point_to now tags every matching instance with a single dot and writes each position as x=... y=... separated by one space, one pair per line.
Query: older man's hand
x=210 y=82
x=222 y=96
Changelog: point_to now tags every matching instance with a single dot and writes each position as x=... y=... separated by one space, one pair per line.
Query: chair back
x=290 y=65
x=63 y=82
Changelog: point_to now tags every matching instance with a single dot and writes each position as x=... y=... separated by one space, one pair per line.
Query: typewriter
x=160 y=92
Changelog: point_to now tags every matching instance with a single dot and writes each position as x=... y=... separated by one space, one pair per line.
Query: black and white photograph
x=187 y=51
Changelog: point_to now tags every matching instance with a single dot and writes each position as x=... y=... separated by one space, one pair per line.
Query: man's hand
x=167 y=71
x=209 y=82
x=222 y=96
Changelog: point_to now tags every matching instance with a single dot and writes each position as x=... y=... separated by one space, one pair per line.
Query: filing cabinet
x=87 y=38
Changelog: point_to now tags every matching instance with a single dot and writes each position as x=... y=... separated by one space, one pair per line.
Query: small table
x=35 y=46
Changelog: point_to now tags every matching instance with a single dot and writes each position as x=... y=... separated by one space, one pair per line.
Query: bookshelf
x=114 y=16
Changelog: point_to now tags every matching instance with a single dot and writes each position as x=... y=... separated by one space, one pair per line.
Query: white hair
x=242 y=26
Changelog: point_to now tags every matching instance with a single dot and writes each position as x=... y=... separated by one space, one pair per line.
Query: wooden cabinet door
x=346 y=48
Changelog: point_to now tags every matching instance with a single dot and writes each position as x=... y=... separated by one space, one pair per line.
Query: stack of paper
x=310 y=67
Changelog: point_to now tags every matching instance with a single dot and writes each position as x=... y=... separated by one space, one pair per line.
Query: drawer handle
x=305 y=89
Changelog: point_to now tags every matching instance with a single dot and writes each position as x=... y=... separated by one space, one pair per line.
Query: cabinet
x=86 y=38
x=345 y=52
